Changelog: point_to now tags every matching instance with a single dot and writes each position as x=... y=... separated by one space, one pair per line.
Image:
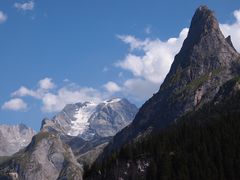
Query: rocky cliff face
x=205 y=62
x=13 y=138
x=46 y=157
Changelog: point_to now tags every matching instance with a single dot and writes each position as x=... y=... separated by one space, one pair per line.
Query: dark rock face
x=205 y=62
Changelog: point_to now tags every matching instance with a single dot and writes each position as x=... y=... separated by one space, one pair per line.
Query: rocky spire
x=205 y=62
x=203 y=23
x=205 y=48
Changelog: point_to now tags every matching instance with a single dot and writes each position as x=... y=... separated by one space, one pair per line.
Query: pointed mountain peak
x=205 y=46
x=203 y=24
x=204 y=19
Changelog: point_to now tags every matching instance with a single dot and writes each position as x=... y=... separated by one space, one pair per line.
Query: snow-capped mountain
x=89 y=119
x=14 y=138
x=88 y=127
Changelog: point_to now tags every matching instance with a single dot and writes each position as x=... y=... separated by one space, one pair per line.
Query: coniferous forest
x=204 y=144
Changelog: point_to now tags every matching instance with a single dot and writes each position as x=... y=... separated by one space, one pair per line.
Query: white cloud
x=236 y=13
x=112 y=87
x=46 y=83
x=150 y=66
x=233 y=30
x=3 y=17
x=55 y=102
x=139 y=89
x=149 y=62
x=26 y=6
x=132 y=41
x=16 y=104
x=157 y=56
x=23 y=91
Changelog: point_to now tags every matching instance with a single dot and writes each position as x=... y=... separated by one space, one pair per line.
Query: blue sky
x=57 y=52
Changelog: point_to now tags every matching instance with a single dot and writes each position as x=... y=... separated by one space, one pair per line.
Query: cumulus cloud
x=156 y=58
x=236 y=13
x=15 y=104
x=149 y=62
x=3 y=17
x=23 y=91
x=26 y=6
x=53 y=101
x=112 y=87
x=233 y=30
x=46 y=83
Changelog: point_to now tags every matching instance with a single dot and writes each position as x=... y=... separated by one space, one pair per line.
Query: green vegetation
x=196 y=83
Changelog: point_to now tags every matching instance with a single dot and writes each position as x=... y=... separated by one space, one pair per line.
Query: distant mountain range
x=72 y=139
x=14 y=137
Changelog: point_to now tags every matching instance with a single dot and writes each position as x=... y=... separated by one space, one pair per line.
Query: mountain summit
x=205 y=62
x=89 y=119
x=203 y=23
x=204 y=36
